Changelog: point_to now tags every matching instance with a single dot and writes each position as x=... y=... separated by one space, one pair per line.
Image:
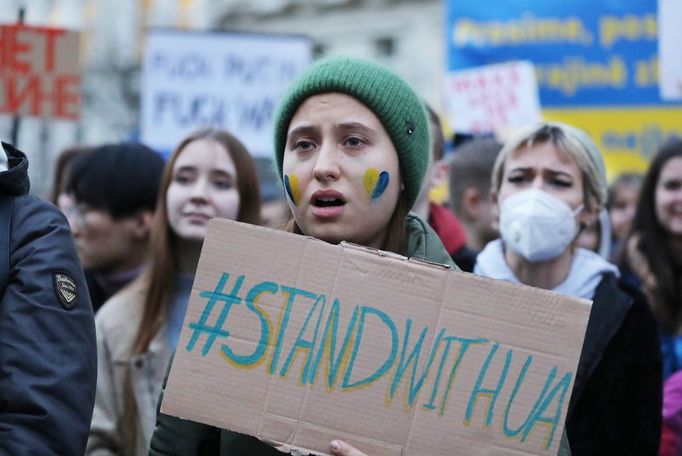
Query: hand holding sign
x=339 y=448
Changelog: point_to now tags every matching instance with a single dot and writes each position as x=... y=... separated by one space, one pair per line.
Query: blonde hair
x=569 y=142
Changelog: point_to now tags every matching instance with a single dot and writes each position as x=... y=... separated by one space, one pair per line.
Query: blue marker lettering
x=305 y=345
x=251 y=299
x=494 y=393
x=465 y=344
x=413 y=359
x=543 y=403
x=328 y=345
x=517 y=386
x=391 y=357
x=284 y=322
x=217 y=329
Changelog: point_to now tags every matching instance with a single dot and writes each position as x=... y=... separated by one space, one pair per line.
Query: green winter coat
x=177 y=437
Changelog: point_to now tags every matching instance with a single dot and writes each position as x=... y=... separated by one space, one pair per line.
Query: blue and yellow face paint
x=292 y=188
x=375 y=182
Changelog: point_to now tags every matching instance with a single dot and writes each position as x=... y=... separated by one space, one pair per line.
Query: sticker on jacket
x=66 y=290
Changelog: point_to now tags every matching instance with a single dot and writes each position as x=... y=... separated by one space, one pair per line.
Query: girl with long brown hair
x=652 y=257
x=210 y=174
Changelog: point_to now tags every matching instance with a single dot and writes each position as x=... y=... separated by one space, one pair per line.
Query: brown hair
x=654 y=243
x=62 y=166
x=164 y=264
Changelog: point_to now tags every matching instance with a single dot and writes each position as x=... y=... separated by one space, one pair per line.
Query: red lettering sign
x=39 y=72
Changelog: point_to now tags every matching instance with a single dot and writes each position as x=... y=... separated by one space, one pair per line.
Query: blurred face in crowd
x=341 y=171
x=106 y=244
x=622 y=209
x=542 y=166
x=66 y=204
x=589 y=237
x=669 y=197
x=203 y=185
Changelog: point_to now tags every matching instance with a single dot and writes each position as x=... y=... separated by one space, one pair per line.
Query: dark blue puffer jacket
x=48 y=364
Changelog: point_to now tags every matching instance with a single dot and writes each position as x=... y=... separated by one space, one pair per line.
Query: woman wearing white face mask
x=549 y=183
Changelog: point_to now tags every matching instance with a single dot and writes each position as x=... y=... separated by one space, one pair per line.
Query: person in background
x=48 y=362
x=274 y=211
x=549 y=181
x=470 y=168
x=58 y=195
x=652 y=257
x=597 y=235
x=114 y=188
x=210 y=174
x=671 y=434
x=622 y=205
x=443 y=222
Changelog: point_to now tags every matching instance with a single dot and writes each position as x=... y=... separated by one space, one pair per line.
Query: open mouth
x=328 y=202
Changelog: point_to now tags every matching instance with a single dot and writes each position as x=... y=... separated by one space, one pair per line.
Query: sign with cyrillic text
x=39 y=72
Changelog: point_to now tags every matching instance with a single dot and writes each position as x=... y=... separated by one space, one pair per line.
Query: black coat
x=48 y=365
x=615 y=408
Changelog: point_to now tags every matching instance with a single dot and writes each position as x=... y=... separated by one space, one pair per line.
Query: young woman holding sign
x=549 y=183
x=210 y=174
x=351 y=148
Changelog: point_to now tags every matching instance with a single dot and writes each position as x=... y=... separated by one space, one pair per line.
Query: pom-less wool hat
x=391 y=99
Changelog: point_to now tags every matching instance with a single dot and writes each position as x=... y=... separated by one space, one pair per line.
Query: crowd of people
x=94 y=297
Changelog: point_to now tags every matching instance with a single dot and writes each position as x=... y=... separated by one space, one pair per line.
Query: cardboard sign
x=300 y=342
x=492 y=98
x=227 y=80
x=39 y=72
x=669 y=39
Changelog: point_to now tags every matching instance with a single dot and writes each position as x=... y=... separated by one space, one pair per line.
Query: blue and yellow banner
x=596 y=63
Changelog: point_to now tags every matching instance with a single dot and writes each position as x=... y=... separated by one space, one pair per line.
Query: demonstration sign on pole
x=231 y=81
x=299 y=342
x=39 y=72
x=492 y=98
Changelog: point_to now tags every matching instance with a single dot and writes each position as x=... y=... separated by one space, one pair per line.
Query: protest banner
x=227 y=80
x=492 y=98
x=669 y=37
x=39 y=72
x=299 y=342
x=597 y=66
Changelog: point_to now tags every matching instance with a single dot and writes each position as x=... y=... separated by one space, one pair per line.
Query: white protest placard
x=231 y=81
x=298 y=342
x=669 y=39
x=492 y=98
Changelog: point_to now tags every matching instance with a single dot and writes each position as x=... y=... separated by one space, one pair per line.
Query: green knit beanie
x=391 y=99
